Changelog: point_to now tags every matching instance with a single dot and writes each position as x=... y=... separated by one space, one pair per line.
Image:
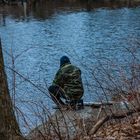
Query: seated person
x=67 y=83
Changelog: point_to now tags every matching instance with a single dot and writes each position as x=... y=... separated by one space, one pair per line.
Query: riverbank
x=124 y=129
x=89 y=3
x=89 y=124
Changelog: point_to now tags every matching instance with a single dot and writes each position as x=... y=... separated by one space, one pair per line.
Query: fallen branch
x=109 y=117
x=98 y=104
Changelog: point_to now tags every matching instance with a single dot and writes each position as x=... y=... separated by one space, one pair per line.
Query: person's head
x=64 y=60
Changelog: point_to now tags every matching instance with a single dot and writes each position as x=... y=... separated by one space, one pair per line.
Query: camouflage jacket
x=69 y=79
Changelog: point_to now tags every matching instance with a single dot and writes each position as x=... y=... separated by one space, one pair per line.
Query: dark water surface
x=39 y=36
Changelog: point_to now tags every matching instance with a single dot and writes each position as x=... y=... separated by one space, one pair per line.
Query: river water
x=93 y=36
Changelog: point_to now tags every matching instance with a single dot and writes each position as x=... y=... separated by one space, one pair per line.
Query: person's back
x=72 y=82
x=67 y=83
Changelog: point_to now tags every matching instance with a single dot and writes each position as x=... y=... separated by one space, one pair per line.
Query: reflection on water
x=42 y=9
x=39 y=35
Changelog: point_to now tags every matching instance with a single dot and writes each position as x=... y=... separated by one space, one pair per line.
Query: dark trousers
x=56 y=94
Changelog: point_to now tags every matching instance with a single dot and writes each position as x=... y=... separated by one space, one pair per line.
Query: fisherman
x=67 y=83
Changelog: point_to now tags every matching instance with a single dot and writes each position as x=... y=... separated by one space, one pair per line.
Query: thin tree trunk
x=9 y=129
